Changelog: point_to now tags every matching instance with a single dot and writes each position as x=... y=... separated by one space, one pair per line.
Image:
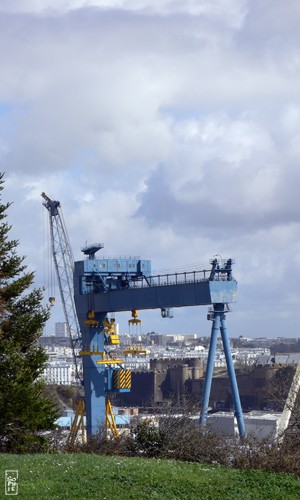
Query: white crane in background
x=64 y=266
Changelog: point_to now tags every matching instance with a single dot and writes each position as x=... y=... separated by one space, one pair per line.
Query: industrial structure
x=64 y=267
x=102 y=287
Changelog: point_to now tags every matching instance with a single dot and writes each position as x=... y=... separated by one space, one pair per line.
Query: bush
x=181 y=438
x=148 y=440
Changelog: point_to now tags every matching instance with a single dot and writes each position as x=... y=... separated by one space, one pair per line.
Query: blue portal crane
x=103 y=286
x=93 y=288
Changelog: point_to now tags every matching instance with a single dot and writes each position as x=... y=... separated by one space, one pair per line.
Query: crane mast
x=64 y=266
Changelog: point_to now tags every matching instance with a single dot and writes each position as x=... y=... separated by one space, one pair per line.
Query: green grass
x=86 y=476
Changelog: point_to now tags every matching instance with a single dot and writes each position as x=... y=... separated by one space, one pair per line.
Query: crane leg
x=232 y=377
x=209 y=368
x=219 y=324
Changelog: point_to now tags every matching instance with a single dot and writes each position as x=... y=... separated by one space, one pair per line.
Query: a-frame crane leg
x=219 y=323
x=232 y=378
x=210 y=368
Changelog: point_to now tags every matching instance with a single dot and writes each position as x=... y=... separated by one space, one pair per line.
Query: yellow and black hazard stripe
x=122 y=379
x=127 y=379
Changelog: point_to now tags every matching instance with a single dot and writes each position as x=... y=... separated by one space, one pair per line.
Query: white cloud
x=230 y=11
x=166 y=129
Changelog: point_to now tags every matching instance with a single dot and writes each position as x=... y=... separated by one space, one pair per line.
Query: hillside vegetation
x=89 y=476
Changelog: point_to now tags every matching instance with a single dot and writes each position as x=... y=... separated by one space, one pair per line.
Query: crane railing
x=102 y=282
x=179 y=278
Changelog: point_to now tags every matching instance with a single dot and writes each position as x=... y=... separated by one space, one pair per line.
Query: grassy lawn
x=85 y=476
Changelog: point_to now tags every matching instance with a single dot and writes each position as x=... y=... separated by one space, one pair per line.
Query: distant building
x=183 y=337
x=257 y=423
x=60 y=373
x=60 y=329
x=158 y=339
x=281 y=359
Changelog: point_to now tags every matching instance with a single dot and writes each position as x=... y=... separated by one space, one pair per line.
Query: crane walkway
x=176 y=279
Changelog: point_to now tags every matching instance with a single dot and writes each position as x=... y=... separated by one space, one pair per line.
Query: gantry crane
x=104 y=286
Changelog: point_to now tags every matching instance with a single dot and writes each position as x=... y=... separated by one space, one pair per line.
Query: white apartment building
x=59 y=373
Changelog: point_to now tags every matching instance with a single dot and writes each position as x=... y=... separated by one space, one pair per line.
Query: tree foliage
x=25 y=411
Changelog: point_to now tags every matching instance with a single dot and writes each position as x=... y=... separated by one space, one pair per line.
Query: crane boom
x=64 y=266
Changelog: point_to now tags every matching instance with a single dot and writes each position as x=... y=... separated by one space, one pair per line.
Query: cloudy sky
x=168 y=129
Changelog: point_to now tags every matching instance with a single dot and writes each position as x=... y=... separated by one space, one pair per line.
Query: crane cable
x=205 y=265
x=48 y=265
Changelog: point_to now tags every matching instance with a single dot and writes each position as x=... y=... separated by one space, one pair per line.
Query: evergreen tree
x=24 y=408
